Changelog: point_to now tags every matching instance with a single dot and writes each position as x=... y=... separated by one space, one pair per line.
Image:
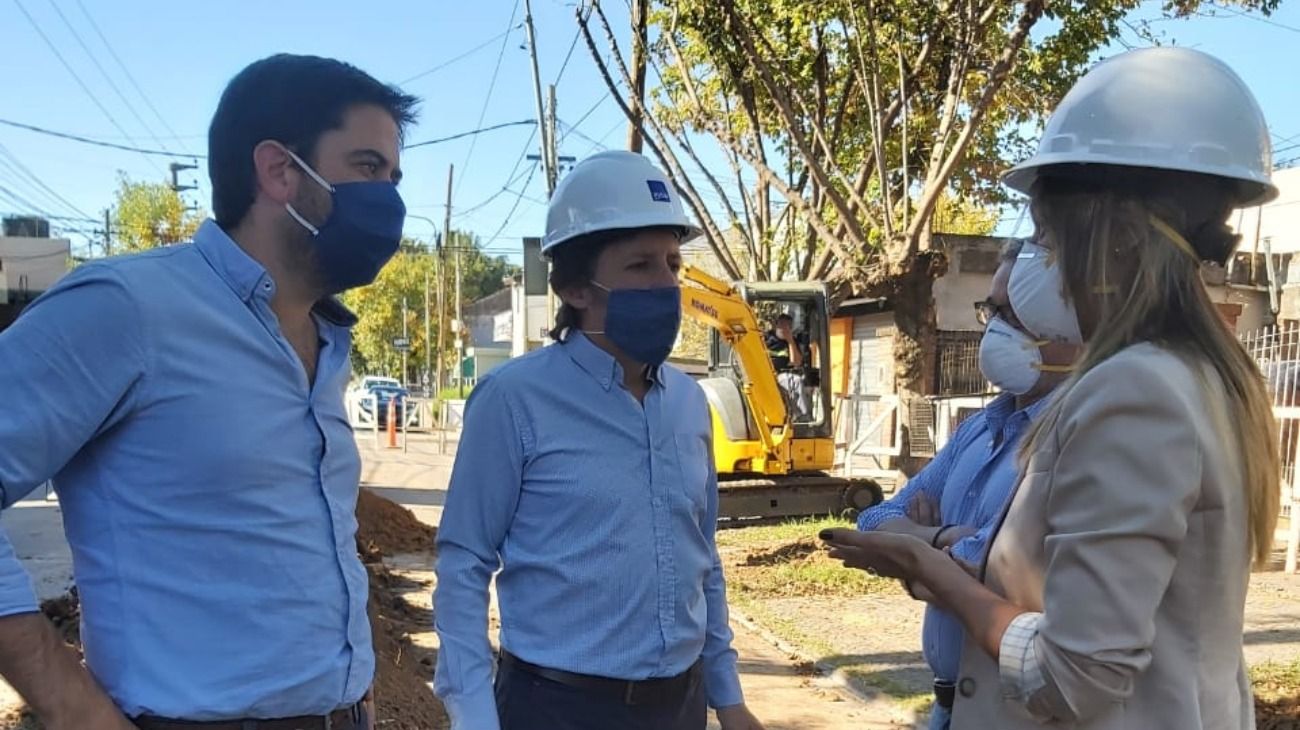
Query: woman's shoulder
x=1144 y=372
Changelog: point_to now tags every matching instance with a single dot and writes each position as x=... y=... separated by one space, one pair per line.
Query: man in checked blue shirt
x=585 y=474
x=188 y=403
x=955 y=501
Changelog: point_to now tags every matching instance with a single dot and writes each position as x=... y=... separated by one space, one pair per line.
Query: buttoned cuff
x=1021 y=674
x=723 y=688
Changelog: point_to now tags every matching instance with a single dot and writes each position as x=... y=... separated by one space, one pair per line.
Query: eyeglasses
x=987 y=309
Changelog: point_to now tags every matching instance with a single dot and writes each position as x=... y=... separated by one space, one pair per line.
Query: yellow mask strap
x=1174 y=237
x=1054 y=368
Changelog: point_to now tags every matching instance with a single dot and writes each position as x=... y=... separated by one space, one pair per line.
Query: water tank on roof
x=26 y=227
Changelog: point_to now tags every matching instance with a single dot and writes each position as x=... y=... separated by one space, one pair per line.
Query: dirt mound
x=797 y=550
x=1277 y=702
x=386 y=528
x=402 y=670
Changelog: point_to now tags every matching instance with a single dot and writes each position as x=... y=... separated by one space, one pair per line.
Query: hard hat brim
x=1253 y=190
x=689 y=231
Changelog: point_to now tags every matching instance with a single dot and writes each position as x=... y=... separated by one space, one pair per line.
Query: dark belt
x=658 y=691
x=945 y=693
x=347 y=718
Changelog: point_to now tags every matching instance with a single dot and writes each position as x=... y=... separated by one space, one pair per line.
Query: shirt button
x=966 y=687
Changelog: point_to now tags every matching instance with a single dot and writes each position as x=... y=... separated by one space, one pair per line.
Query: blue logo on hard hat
x=658 y=191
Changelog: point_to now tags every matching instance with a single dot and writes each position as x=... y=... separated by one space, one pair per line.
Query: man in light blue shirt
x=188 y=403
x=955 y=501
x=585 y=473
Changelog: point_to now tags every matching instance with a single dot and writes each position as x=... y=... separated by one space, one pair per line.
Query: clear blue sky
x=181 y=55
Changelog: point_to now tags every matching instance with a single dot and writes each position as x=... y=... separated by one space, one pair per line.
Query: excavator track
x=753 y=497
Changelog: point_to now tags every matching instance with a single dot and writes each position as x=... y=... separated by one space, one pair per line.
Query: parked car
x=384 y=393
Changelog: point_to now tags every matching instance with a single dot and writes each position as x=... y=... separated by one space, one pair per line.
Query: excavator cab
x=773 y=435
x=804 y=387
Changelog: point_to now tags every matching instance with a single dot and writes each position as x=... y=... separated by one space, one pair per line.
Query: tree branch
x=657 y=145
x=1006 y=61
x=787 y=113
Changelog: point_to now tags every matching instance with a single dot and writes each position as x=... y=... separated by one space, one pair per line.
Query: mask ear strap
x=307 y=169
x=1054 y=368
x=1174 y=237
x=313 y=230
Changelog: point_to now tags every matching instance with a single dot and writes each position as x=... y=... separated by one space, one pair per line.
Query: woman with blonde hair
x=1114 y=592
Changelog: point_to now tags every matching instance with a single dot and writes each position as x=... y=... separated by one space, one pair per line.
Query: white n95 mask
x=1036 y=291
x=1009 y=358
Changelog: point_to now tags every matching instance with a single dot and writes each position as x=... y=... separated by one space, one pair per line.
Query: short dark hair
x=785 y=317
x=293 y=100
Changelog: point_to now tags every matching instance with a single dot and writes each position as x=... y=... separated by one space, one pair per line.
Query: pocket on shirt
x=693 y=459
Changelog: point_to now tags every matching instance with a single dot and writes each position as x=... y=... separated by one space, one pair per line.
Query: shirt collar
x=597 y=363
x=243 y=274
x=1003 y=409
x=240 y=271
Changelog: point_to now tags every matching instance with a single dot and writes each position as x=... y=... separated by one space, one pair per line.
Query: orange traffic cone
x=392 y=423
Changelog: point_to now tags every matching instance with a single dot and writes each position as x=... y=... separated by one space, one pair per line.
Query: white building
x=30 y=263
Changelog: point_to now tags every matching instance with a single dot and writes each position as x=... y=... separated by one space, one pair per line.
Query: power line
x=491 y=87
x=102 y=72
x=504 y=189
x=573 y=129
x=1261 y=19
x=564 y=66
x=13 y=163
x=165 y=153
x=583 y=118
x=129 y=76
x=462 y=56
x=472 y=132
x=510 y=179
x=23 y=203
x=55 y=50
x=518 y=199
x=98 y=142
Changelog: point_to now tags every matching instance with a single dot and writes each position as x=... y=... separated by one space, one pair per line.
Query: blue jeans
x=940 y=718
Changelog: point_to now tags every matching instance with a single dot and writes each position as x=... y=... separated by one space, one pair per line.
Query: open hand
x=879 y=553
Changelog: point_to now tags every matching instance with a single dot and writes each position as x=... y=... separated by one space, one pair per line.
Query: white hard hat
x=1164 y=108
x=613 y=190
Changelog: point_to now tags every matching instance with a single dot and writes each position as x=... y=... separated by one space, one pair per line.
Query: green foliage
x=379 y=306
x=149 y=215
x=837 y=66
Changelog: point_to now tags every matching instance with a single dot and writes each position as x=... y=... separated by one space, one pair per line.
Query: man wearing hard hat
x=585 y=474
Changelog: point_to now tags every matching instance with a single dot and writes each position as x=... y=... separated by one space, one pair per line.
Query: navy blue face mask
x=363 y=231
x=643 y=323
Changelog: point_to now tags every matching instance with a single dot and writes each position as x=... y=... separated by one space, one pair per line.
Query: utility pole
x=639 y=19
x=442 y=259
x=460 y=333
x=543 y=128
x=406 y=338
x=108 y=233
x=426 y=381
x=552 y=170
x=177 y=167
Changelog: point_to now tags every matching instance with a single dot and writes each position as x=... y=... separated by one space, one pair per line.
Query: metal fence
x=958 y=360
x=1277 y=351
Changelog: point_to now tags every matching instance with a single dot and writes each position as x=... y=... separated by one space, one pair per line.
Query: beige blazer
x=1128 y=532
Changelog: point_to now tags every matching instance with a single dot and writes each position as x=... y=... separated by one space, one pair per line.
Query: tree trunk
x=911 y=292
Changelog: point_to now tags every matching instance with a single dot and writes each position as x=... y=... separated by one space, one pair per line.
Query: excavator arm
x=717 y=304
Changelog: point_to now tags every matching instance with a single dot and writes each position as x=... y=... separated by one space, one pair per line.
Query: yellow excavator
x=773 y=436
